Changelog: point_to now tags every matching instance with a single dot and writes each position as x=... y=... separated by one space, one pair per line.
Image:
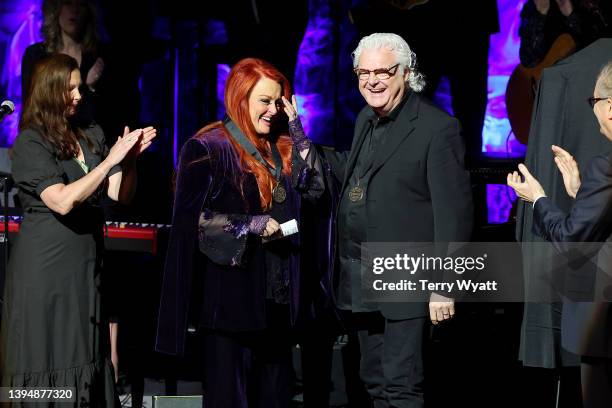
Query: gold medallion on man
x=355 y=194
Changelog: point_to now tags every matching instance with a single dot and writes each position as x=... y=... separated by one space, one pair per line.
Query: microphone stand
x=6 y=184
x=7 y=180
x=5 y=188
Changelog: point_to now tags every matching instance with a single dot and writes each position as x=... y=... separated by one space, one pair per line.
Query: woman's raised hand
x=123 y=146
x=290 y=108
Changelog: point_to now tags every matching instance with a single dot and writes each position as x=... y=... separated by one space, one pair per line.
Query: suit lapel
x=357 y=146
x=399 y=131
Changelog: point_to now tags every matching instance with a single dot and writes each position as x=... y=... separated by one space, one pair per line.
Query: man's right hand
x=528 y=189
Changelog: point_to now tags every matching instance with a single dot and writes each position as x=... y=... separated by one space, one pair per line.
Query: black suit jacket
x=419 y=190
x=585 y=326
x=590 y=219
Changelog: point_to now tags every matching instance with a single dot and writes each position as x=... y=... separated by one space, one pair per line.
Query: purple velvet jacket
x=215 y=273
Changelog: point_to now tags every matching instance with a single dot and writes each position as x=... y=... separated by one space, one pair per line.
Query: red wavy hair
x=241 y=80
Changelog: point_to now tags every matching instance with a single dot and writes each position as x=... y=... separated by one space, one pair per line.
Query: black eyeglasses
x=593 y=100
x=381 y=73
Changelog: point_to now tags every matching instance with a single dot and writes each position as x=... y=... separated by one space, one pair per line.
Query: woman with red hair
x=232 y=267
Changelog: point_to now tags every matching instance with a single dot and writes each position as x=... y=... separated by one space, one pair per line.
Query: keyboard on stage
x=494 y=171
x=118 y=236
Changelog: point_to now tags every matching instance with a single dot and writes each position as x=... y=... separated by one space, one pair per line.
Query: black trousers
x=247 y=370
x=316 y=339
x=596 y=377
x=392 y=360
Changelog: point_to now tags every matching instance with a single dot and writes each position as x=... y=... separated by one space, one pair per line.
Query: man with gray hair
x=402 y=181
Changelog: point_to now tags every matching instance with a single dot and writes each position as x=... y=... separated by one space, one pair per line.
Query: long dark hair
x=52 y=33
x=45 y=106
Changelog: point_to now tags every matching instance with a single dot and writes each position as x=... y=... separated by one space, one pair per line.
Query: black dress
x=54 y=332
x=243 y=294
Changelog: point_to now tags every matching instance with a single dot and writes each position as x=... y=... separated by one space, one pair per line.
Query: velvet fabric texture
x=215 y=275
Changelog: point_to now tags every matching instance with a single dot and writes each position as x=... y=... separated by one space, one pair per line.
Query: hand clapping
x=129 y=146
x=569 y=170
x=529 y=189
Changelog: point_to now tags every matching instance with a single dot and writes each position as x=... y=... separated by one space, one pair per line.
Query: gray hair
x=405 y=57
x=604 y=80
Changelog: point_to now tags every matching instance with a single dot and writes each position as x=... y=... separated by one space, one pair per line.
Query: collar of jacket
x=392 y=116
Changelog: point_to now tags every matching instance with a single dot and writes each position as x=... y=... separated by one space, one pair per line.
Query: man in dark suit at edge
x=585 y=329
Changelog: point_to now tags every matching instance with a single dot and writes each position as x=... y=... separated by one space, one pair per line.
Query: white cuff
x=536 y=200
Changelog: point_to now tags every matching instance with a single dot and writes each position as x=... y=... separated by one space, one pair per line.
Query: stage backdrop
x=325 y=87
